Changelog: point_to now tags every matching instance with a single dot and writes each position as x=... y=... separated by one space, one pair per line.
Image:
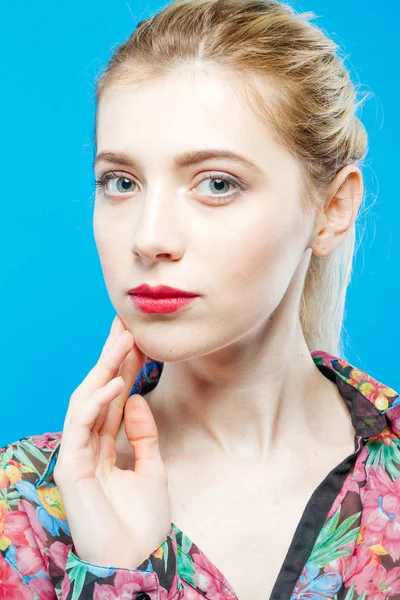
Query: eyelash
x=101 y=183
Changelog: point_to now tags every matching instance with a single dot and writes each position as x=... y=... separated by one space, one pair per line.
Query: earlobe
x=325 y=236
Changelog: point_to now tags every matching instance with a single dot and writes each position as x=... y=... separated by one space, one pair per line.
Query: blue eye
x=123 y=184
x=218 y=183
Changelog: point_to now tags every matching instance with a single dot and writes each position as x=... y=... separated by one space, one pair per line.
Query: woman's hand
x=117 y=517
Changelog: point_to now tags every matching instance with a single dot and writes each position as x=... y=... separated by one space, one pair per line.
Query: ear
x=344 y=198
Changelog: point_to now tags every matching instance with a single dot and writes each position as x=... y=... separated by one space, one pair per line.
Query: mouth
x=163 y=305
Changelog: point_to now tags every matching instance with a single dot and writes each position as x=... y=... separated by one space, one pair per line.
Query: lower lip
x=148 y=304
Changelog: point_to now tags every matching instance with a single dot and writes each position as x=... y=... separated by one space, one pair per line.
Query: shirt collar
x=373 y=406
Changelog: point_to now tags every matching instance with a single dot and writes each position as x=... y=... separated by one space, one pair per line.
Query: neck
x=249 y=400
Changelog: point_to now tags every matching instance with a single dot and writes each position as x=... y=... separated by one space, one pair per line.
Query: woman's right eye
x=113 y=184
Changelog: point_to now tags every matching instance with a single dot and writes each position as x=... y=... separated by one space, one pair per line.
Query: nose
x=158 y=233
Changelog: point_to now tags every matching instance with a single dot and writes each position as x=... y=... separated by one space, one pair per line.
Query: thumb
x=141 y=431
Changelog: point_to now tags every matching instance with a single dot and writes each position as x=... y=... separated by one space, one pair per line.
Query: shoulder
x=26 y=458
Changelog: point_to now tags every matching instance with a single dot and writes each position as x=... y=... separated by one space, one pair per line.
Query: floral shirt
x=346 y=545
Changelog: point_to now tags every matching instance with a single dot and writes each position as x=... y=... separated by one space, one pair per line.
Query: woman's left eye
x=116 y=185
x=218 y=183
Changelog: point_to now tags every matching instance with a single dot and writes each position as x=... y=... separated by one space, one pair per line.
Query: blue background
x=56 y=312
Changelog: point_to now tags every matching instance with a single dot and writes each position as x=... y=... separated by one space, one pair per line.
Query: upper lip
x=160 y=291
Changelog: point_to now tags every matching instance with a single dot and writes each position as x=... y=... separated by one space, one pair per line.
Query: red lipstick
x=161 y=299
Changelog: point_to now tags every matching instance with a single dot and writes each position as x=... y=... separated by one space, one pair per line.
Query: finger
x=141 y=431
x=101 y=417
x=128 y=371
x=109 y=419
x=110 y=363
x=109 y=422
x=106 y=367
x=117 y=327
x=119 y=401
x=115 y=331
x=81 y=430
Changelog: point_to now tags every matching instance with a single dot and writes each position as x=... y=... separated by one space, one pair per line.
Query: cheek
x=256 y=279
x=258 y=259
x=111 y=253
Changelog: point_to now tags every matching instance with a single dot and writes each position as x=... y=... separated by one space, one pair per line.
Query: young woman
x=222 y=446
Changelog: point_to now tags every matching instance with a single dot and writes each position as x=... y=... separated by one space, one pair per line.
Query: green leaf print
x=332 y=538
x=186 y=544
x=333 y=551
x=77 y=575
x=37 y=453
x=185 y=567
x=350 y=593
x=388 y=456
x=10 y=495
x=21 y=456
x=5 y=457
x=331 y=525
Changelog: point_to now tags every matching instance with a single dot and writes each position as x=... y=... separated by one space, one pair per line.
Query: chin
x=164 y=351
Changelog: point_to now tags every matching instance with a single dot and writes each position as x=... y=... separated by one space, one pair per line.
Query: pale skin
x=239 y=390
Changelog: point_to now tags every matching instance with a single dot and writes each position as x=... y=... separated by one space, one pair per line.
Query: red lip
x=160 y=291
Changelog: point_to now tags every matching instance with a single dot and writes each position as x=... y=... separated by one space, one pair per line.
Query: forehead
x=183 y=110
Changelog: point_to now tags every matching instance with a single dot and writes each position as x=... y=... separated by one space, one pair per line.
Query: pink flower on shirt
x=127 y=585
x=46 y=440
x=208 y=578
x=357 y=569
x=11 y=585
x=384 y=584
x=381 y=511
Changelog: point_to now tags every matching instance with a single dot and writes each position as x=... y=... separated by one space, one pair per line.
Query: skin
x=238 y=380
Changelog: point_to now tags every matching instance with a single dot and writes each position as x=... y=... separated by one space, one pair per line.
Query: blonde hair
x=313 y=116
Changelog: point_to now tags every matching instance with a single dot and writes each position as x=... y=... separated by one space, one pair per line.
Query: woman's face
x=161 y=224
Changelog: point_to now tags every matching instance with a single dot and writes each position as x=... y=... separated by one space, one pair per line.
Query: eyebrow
x=183 y=160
